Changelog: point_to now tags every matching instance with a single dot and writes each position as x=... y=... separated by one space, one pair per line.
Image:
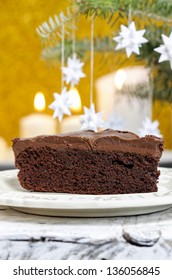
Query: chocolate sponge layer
x=110 y=162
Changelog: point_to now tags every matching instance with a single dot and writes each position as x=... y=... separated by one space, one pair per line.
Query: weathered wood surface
x=25 y=236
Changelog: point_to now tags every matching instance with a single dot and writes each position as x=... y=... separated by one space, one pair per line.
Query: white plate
x=166 y=157
x=53 y=204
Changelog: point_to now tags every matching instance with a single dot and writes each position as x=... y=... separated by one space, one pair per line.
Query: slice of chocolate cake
x=108 y=162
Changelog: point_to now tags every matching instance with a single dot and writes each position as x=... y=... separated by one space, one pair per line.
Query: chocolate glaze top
x=107 y=140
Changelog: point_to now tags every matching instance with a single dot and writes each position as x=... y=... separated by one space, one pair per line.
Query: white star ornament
x=61 y=104
x=73 y=72
x=130 y=39
x=91 y=120
x=165 y=49
x=149 y=128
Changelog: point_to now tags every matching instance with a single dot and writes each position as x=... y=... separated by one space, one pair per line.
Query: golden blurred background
x=23 y=73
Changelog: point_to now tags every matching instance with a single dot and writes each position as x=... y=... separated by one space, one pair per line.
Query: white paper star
x=91 y=119
x=149 y=128
x=130 y=39
x=73 y=71
x=61 y=104
x=114 y=122
x=166 y=49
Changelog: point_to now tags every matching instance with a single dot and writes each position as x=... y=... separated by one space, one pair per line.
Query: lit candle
x=72 y=123
x=3 y=149
x=37 y=123
x=112 y=96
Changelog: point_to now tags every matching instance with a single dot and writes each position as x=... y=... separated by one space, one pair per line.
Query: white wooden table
x=25 y=236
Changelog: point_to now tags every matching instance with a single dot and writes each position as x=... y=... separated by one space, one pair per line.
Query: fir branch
x=152 y=16
x=102 y=8
x=82 y=46
x=157 y=9
x=50 y=30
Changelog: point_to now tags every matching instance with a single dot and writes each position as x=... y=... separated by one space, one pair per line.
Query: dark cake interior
x=109 y=162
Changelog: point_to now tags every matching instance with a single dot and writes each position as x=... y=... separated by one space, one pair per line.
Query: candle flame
x=74 y=97
x=39 y=102
x=119 y=79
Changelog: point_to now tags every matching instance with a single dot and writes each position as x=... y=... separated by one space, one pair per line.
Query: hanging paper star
x=91 y=119
x=130 y=39
x=73 y=71
x=114 y=122
x=61 y=104
x=166 y=49
x=149 y=128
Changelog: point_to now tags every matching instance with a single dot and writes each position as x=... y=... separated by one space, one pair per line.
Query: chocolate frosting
x=107 y=140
